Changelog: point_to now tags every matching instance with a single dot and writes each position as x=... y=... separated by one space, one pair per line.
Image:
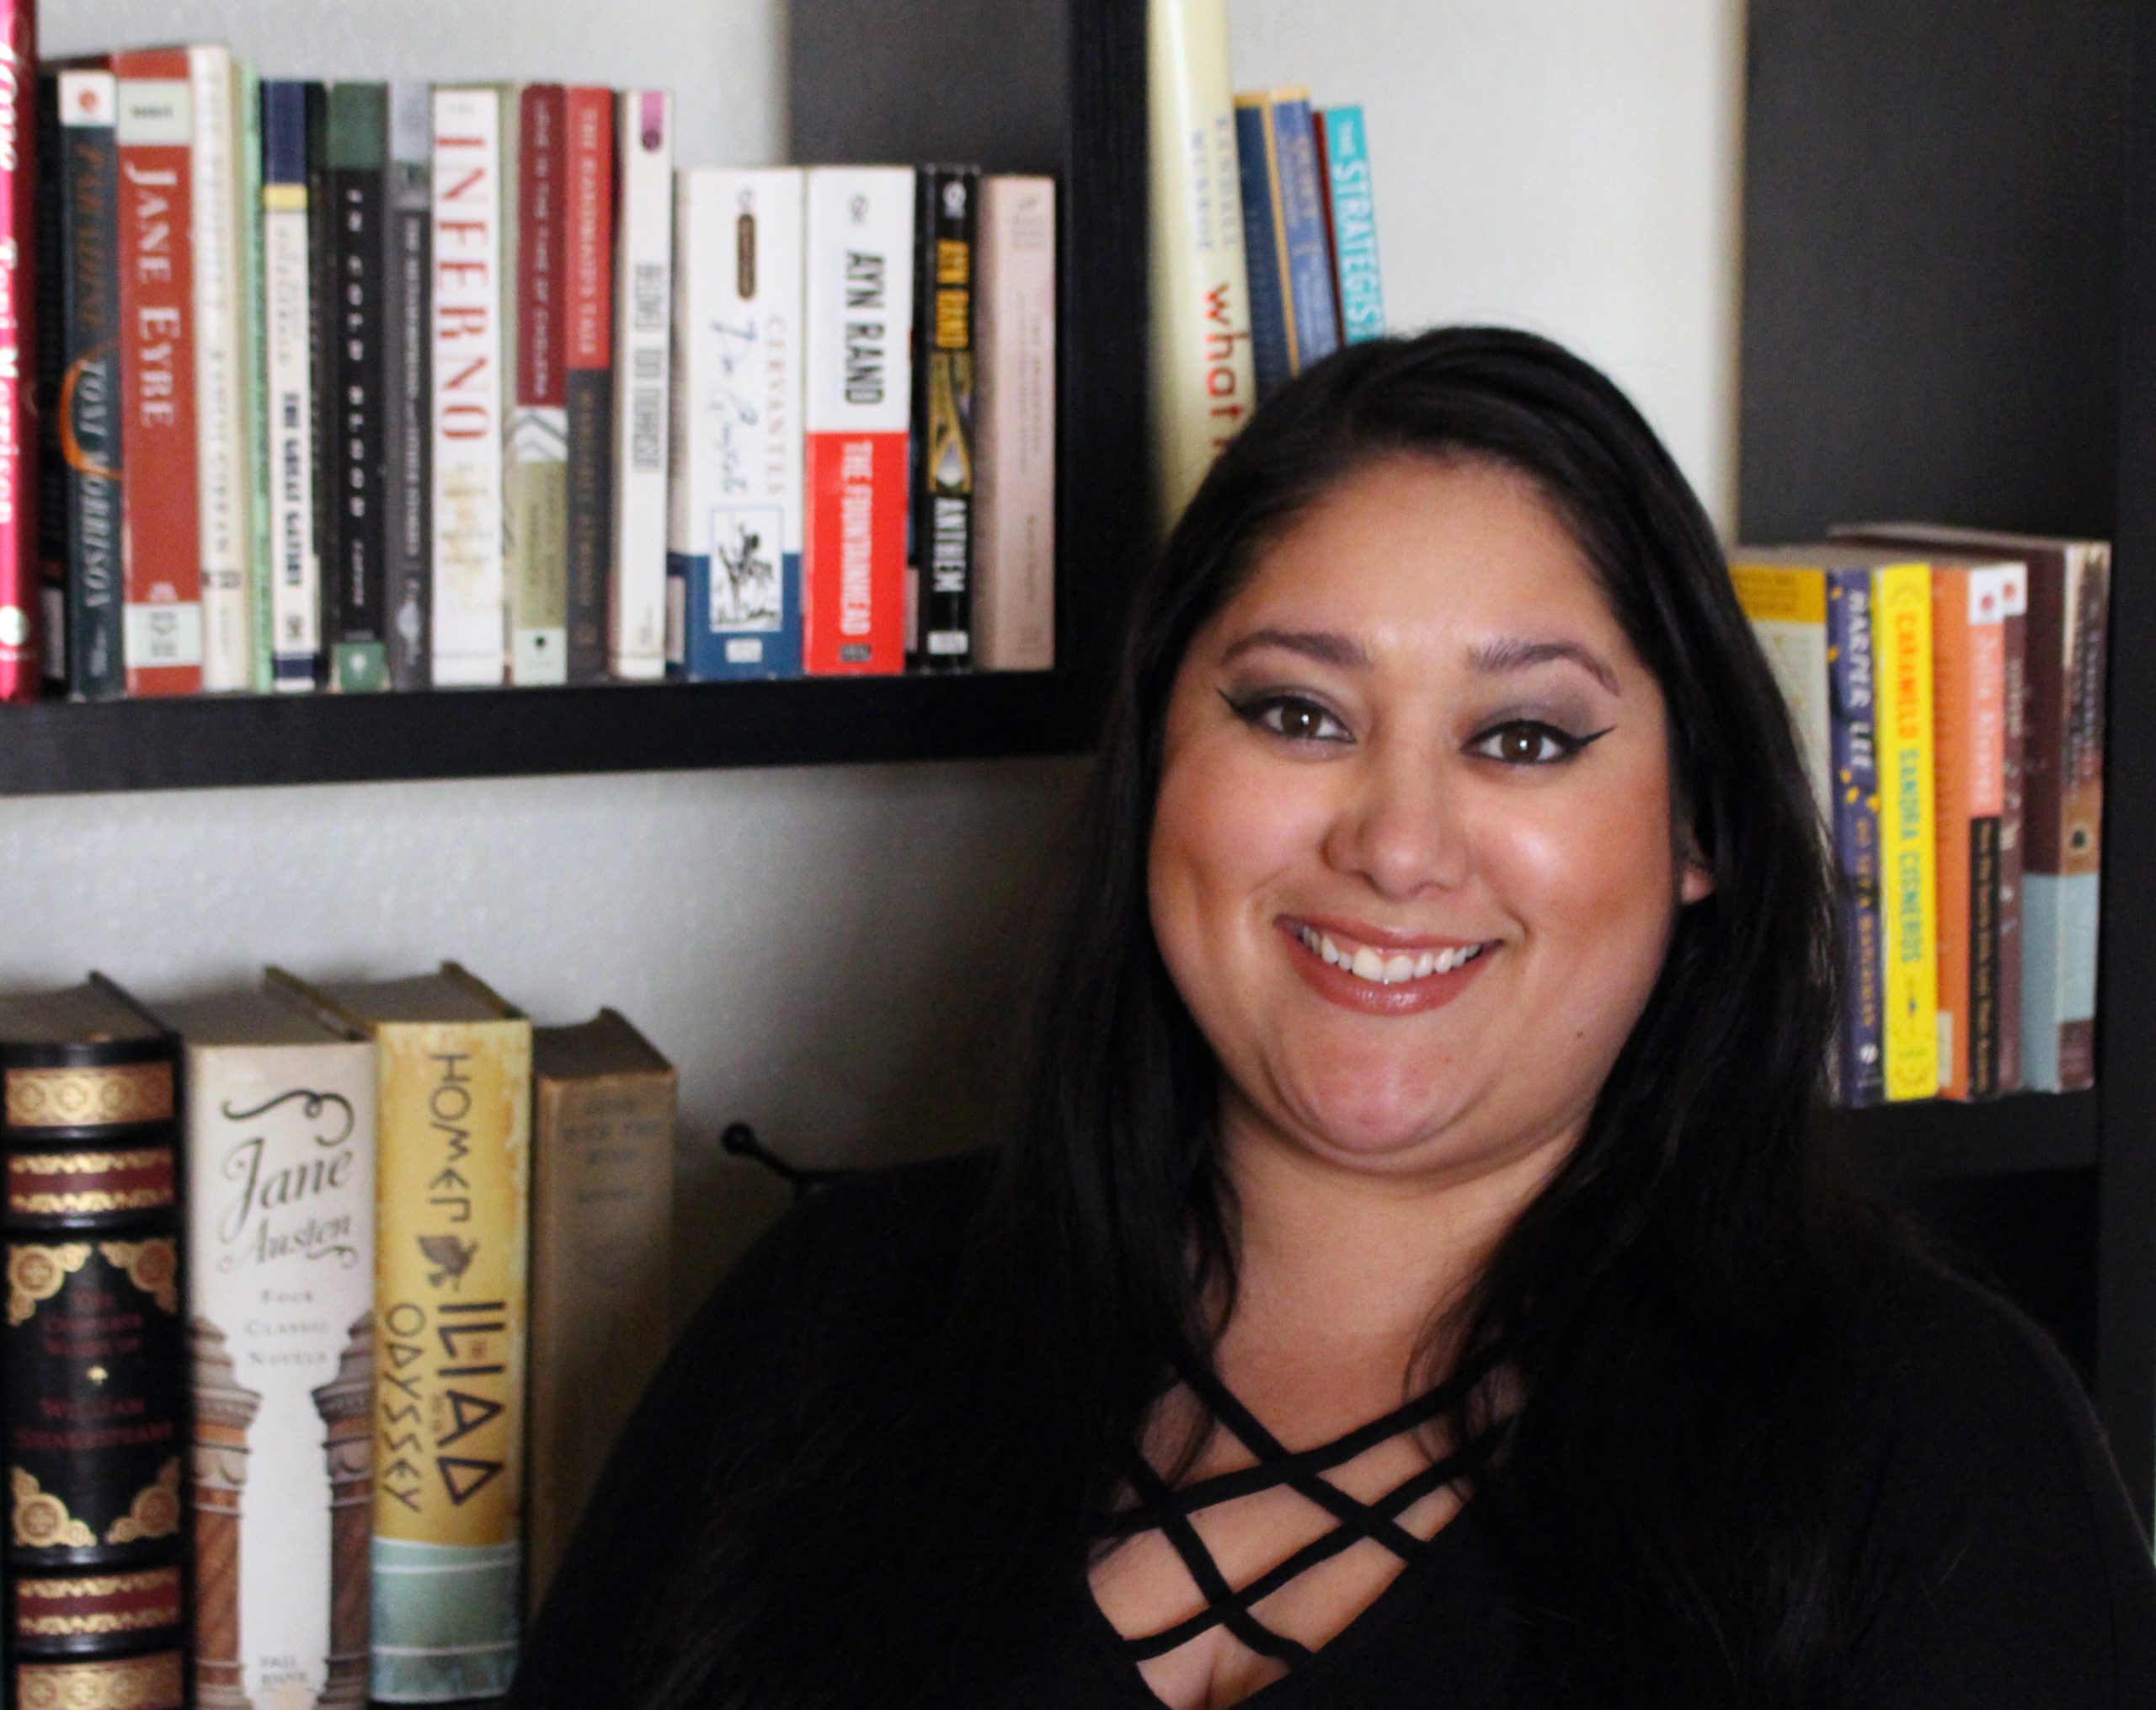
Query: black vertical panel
x=1931 y=263
x=2125 y=1011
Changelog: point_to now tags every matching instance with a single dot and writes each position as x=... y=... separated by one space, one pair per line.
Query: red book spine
x=164 y=625
x=539 y=249
x=20 y=662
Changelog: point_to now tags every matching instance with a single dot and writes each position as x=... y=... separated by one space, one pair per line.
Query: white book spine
x=644 y=300
x=296 y=594
x=468 y=392
x=220 y=404
x=280 y=1216
x=1014 y=473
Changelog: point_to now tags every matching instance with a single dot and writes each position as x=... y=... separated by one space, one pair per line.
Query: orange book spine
x=1951 y=735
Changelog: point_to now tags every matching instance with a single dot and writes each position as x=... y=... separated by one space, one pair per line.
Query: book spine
x=603 y=1152
x=1272 y=328
x=1313 y=312
x=452 y=1223
x=858 y=379
x=1854 y=731
x=1203 y=384
x=944 y=416
x=91 y=429
x=643 y=332
x=2081 y=867
x=50 y=319
x=1014 y=485
x=2014 y=630
x=534 y=324
x=407 y=566
x=93 y=1402
x=1954 y=671
x=322 y=321
x=280 y=1167
x=21 y=561
x=466 y=378
x=355 y=471
x=1787 y=606
x=221 y=434
x=261 y=479
x=587 y=254
x=1994 y=590
x=164 y=617
x=1902 y=608
x=289 y=378
x=1352 y=207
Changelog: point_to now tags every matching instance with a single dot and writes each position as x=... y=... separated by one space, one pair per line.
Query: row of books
x=1263 y=241
x=359 y=385
x=326 y=1304
x=1947 y=688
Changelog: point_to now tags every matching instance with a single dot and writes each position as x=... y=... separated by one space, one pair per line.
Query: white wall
x=826 y=952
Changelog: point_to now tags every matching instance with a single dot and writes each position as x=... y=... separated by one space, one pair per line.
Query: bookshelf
x=1950 y=269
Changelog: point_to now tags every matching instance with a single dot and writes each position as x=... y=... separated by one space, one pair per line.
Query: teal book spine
x=1353 y=210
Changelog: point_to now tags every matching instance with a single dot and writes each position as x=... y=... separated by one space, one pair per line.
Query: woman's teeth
x=1366 y=964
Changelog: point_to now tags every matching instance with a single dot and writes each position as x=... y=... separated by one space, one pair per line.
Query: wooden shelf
x=1939 y=1141
x=205 y=741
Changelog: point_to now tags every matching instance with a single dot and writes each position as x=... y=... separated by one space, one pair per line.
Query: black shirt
x=2018 y=1577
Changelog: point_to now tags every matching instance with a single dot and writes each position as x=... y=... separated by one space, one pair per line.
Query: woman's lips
x=1383 y=974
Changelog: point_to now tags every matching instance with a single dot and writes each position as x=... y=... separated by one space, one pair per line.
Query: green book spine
x=356 y=141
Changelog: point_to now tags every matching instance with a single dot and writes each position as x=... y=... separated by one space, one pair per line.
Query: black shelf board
x=213 y=741
x=1940 y=1140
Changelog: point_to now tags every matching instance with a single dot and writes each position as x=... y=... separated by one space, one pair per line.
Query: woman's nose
x=1400 y=825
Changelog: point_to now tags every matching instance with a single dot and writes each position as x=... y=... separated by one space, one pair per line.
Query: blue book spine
x=1272 y=352
x=1354 y=225
x=1313 y=316
x=1853 y=721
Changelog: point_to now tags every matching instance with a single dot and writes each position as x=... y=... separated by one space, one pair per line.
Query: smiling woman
x=1410 y=1274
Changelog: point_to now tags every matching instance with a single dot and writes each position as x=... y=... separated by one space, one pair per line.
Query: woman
x=1409 y=1279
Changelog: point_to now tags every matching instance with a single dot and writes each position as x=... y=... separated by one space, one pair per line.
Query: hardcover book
x=466 y=361
x=1271 y=321
x=1014 y=484
x=21 y=661
x=288 y=366
x=859 y=392
x=588 y=365
x=947 y=243
x=601 y=1207
x=734 y=560
x=223 y=475
x=643 y=302
x=406 y=340
x=355 y=139
x=1203 y=384
x=1305 y=248
x=453 y=1103
x=280 y=1244
x=49 y=322
x=535 y=516
x=92 y=439
x=161 y=516
x=1351 y=223
x=94 y=1357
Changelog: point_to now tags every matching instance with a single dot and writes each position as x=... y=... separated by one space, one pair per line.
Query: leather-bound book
x=94 y=1352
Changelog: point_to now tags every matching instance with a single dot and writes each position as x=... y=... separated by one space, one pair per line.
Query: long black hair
x=1669 y=1303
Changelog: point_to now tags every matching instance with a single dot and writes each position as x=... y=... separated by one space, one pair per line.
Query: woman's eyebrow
x=1324 y=646
x=1517 y=654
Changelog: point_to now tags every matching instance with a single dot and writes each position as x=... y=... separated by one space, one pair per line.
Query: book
x=356 y=475
x=288 y=371
x=466 y=283
x=279 y=1152
x=162 y=621
x=602 y=1143
x=91 y=433
x=1202 y=381
x=224 y=478
x=644 y=304
x=255 y=416
x=47 y=344
x=1272 y=323
x=535 y=506
x=1351 y=222
x=588 y=378
x=1901 y=595
x=406 y=343
x=21 y=562
x=1306 y=246
x=1014 y=482
x=735 y=531
x=947 y=244
x=453 y=1113
x=858 y=382
x=2062 y=787
x=95 y=1360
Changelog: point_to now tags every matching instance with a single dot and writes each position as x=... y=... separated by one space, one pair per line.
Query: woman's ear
x=1695 y=880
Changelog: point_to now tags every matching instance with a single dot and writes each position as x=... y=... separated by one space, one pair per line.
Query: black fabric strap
x=1223 y=1606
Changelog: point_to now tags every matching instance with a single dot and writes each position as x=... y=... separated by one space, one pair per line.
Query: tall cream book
x=1014 y=425
x=1203 y=383
x=453 y=1068
x=279 y=1242
x=602 y=1199
x=225 y=516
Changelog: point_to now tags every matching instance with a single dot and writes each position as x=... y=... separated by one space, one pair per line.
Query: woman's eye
x=1293 y=717
x=1528 y=742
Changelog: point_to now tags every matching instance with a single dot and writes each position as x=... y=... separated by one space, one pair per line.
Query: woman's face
x=1413 y=866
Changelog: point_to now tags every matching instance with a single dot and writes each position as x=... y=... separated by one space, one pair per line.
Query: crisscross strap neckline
x=1168 y=1511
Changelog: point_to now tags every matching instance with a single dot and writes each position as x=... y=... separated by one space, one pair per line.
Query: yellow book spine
x=1908 y=906
x=453 y=1223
